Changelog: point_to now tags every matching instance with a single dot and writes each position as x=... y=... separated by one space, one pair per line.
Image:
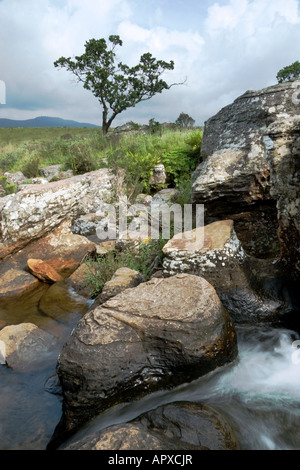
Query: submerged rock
x=176 y=426
x=158 y=335
x=26 y=346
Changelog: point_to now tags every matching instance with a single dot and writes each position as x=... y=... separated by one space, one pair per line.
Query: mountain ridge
x=43 y=121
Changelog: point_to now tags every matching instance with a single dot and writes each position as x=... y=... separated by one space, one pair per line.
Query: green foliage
x=9 y=188
x=182 y=160
x=289 y=73
x=138 y=168
x=30 y=165
x=142 y=261
x=184 y=121
x=80 y=158
x=116 y=85
x=154 y=127
x=8 y=160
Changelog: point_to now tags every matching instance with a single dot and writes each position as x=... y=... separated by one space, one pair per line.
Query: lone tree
x=289 y=73
x=184 y=120
x=116 y=85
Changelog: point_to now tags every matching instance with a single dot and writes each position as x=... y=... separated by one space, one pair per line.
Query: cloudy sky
x=221 y=47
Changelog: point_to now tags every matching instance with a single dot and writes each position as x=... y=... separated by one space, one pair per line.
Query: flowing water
x=259 y=394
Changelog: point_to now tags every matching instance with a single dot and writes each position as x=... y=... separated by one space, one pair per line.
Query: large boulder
x=176 y=426
x=157 y=335
x=250 y=289
x=250 y=171
x=35 y=211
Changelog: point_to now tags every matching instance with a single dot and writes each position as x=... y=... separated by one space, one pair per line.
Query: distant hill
x=43 y=121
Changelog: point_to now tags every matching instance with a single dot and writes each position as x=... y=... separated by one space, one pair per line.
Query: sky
x=221 y=49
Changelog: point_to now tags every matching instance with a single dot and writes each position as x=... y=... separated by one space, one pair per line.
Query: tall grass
x=86 y=149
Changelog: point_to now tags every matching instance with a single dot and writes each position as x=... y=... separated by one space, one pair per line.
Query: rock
x=250 y=170
x=62 y=250
x=105 y=247
x=215 y=253
x=16 y=283
x=26 y=346
x=157 y=335
x=159 y=175
x=52 y=172
x=2 y=353
x=165 y=196
x=39 y=181
x=43 y=271
x=79 y=280
x=37 y=210
x=87 y=224
x=176 y=426
x=15 y=178
x=124 y=278
x=143 y=199
x=60 y=301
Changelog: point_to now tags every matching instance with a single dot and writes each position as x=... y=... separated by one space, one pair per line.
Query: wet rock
x=43 y=271
x=60 y=301
x=15 y=283
x=26 y=346
x=123 y=278
x=250 y=171
x=79 y=280
x=155 y=336
x=176 y=426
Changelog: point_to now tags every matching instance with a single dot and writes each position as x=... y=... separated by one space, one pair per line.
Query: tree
x=116 y=85
x=184 y=120
x=289 y=73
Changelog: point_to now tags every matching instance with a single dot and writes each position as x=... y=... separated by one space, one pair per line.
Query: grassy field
x=14 y=136
x=87 y=149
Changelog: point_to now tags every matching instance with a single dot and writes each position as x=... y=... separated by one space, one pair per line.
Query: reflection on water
x=259 y=393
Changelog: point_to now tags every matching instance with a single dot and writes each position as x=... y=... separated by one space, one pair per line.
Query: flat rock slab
x=157 y=335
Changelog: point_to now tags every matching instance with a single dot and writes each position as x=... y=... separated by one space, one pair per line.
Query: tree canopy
x=289 y=73
x=116 y=85
x=184 y=120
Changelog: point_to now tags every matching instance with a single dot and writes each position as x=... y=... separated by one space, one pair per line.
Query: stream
x=259 y=394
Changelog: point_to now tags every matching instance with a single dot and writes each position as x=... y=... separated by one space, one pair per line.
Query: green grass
x=87 y=149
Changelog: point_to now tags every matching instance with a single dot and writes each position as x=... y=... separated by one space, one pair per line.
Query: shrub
x=9 y=188
x=142 y=261
x=80 y=158
x=30 y=166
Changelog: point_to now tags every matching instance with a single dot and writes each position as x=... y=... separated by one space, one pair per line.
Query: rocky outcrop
x=37 y=210
x=250 y=171
x=176 y=426
x=157 y=335
x=250 y=289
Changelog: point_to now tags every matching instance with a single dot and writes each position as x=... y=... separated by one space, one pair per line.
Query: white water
x=259 y=393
